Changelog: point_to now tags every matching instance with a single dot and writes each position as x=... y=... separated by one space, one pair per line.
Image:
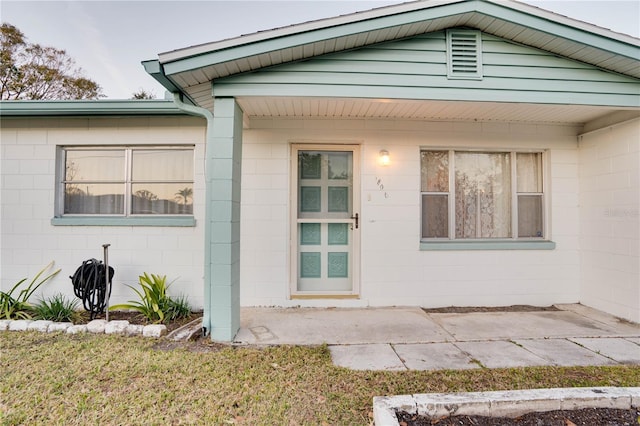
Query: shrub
x=57 y=308
x=18 y=307
x=155 y=304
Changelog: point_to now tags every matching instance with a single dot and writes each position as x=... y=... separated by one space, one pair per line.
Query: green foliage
x=154 y=302
x=143 y=94
x=57 y=308
x=32 y=71
x=18 y=307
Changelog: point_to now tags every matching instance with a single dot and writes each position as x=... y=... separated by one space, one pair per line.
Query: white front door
x=325 y=220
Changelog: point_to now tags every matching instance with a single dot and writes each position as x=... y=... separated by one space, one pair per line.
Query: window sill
x=487 y=245
x=186 y=221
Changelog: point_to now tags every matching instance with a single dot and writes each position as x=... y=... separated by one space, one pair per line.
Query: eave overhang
x=188 y=70
x=87 y=108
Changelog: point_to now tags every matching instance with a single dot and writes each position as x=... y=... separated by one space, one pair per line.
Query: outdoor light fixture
x=384 y=157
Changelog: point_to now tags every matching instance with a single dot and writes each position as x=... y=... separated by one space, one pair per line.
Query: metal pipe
x=208 y=115
x=107 y=287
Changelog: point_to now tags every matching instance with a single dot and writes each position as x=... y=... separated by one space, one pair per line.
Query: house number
x=381 y=186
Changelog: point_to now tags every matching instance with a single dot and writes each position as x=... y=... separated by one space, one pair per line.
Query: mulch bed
x=586 y=416
x=473 y=309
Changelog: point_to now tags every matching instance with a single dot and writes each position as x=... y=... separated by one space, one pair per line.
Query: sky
x=109 y=39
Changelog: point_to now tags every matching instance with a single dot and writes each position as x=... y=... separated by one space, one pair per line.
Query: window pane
x=162 y=165
x=530 y=216
x=435 y=216
x=529 y=171
x=435 y=171
x=162 y=198
x=89 y=165
x=94 y=199
x=483 y=195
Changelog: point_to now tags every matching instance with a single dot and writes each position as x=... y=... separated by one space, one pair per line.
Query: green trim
x=87 y=108
x=486 y=245
x=168 y=221
x=489 y=9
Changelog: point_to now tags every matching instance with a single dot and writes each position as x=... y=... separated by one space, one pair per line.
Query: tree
x=184 y=195
x=143 y=94
x=32 y=71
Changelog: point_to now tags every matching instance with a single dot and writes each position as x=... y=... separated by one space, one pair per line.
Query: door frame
x=294 y=293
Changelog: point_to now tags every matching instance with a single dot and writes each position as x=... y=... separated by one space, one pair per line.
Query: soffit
x=346 y=108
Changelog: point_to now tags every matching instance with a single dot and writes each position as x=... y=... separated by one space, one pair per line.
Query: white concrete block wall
x=393 y=269
x=28 y=239
x=610 y=219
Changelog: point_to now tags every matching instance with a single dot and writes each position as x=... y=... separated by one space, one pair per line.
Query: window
x=470 y=195
x=126 y=181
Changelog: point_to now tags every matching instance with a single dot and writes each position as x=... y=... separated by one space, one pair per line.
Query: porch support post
x=222 y=227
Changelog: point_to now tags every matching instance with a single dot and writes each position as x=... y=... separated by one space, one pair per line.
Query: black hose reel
x=90 y=285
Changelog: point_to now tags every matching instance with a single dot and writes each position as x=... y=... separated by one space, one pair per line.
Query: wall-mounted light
x=384 y=158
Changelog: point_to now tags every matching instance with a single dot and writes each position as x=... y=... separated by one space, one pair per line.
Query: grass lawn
x=99 y=379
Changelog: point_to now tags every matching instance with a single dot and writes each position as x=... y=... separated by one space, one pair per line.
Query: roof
x=88 y=108
x=191 y=69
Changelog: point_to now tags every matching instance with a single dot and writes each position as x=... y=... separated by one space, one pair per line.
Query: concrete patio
x=407 y=338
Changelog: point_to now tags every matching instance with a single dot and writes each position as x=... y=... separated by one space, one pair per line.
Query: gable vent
x=464 y=54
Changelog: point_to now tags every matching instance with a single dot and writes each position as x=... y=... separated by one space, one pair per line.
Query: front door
x=326 y=222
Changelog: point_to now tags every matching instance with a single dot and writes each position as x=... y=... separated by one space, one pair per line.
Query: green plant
x=178 y=308
x=18 y=307
x=154 y=302
x=57 y=308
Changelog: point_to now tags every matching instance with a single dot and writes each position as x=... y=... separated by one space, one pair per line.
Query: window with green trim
x=125 y=181
x=473 y=195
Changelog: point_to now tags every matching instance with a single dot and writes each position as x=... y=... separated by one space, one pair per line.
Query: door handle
x=355 y=216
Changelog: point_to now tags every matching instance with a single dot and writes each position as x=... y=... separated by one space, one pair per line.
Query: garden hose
x=89 y=284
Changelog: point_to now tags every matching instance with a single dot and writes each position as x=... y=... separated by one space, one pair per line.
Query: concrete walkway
x=410 y=339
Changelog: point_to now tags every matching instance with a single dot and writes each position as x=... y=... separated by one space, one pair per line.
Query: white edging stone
x=96 y=326
x=134 y=330
x=116 y=327
x=19 y=325
x=502 y=403
x=77 y=329
x=154 y=330
x=59 y=326
x=40 y=325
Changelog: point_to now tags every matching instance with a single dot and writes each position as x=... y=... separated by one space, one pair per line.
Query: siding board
x=415 y=68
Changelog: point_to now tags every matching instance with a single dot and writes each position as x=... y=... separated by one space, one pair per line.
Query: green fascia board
x=498 y=11
x=314 y=36
x=155 y=69
x=88 y=108
x=428 y=93
x=557 y=29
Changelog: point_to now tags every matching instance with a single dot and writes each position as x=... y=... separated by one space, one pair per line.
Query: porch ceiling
x=347 y=108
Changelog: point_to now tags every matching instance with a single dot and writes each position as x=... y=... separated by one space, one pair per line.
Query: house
x=431 y=153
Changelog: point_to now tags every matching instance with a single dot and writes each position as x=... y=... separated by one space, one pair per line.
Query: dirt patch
x=587 y=416
x=200 y=345
x=473 y=309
